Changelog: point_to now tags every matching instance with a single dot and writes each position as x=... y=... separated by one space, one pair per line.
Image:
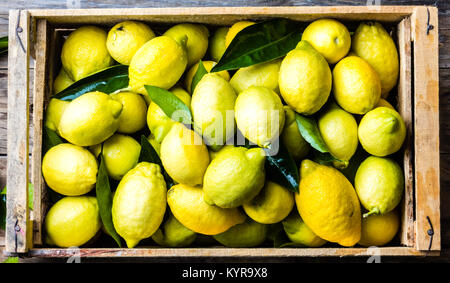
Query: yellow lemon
x=305 y=79
x=208 y=66
x=53 y=114
x=339 y=131
x=246 y=235
x=382 y=131
x=259 y=115
x=383 y=103
x=173 y=234
x=299 y=233
x=235 y=29
x=84 y=52
x=189 y=208
x=184 y=155
x=134 y=111
x=330 y=37
x=328 y=204
x=72 y=221
x=372 y=43
x=217 y=43
x=271 y=205
x=121 y=154
x=356 y=85
x=160 y=62
x=379 y=183
x=139 y=203
x=90 y=119
x=158 y=122
x=379 y=230
x=197 y=40
x=296 y=145
x=62 y=81
x=69 y=169
x=263 y=74
x=125 y=38
x=235 y=176
x=213 y=110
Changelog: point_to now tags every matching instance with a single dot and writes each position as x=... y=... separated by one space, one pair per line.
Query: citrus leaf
x=325 y=158
x=201 y=71
x=104 y=198
x=149 y=154
x=170 y=104
x=3 y=45
x=260 y=43
x=50 y=139
x=108 y=80
x=281 y=168
x=310 y=132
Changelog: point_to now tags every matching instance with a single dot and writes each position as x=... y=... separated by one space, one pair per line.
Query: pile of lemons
x=222 y=191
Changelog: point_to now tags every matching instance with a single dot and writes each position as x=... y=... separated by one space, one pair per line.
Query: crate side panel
x=426 y=127
x=405 y=110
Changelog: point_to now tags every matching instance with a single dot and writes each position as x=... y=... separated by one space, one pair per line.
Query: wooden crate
x=37 y=33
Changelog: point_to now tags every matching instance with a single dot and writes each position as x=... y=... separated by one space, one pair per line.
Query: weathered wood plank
x=220 y=15
x=4 y=108
x=229 y=252
x=426 y=127
x=405 y=110
x=17 y=141
x=41 y=88
x=58 y=4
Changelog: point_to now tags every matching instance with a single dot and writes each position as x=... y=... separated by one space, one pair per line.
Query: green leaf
x=325 y=158
x=50 y=139
x=104 y=198
x=108 y=80
x=281 y=168
x=3 y=45
x=260 y=43
x=13 y=259
x=201 y=71
x=149 y=154
x=172 y=106
x=310 y=132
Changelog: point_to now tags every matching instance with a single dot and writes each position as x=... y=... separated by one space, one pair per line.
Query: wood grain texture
x=405 y=110
x=230 y=252
x=41 y=91
x=426 y=127
x=17 y=141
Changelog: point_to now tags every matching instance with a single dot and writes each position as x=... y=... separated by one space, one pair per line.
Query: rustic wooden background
x=444 y=81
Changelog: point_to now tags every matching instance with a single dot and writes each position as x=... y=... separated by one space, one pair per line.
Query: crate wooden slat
x=223 y=15
x=40 y=90
x=405 y=109
x=417 y=83
x=426 y=126
x=17 y=142
x=231 y=252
